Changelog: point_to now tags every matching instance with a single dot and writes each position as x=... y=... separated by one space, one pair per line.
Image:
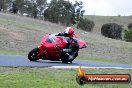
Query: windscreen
x=52 y=39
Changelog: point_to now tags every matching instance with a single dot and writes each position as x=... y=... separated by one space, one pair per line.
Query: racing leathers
x=72 y=45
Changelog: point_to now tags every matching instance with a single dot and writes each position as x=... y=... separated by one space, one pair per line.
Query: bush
x=128 y=35
x=111 y=30
x=130 y=26
x=85 y=24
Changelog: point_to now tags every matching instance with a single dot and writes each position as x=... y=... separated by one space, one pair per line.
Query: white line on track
x=74 y=67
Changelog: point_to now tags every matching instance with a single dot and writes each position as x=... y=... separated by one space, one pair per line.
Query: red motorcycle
x=50 y=49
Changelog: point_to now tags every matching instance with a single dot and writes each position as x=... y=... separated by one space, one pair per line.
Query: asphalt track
x=22 y=61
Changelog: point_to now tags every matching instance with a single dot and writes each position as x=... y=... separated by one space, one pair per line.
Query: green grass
x=116 y=61
x=94 y=59
x=31 y=31
x=52 y=78
x=25 y=25
x=19 y=22
x=5 y=52
x=123 y=20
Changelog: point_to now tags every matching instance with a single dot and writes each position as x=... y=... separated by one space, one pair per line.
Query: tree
x=4 y=4
x=36 y=7
x=51 y=13
x=78 y=10
x=64 y=12
x=41 y=6
x=32 y=8
x=1 y=4
x=59 y=11
x=14 y=8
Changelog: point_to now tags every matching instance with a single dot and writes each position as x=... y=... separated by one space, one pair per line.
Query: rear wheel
x=65 y=59
x=32 y=56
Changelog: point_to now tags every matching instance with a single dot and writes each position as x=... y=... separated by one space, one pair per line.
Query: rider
x=72 y=45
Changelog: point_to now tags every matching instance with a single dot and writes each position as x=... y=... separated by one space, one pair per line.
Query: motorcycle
x=50 y=49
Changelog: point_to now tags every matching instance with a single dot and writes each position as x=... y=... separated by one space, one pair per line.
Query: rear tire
x=32 y=56
x=65 y=60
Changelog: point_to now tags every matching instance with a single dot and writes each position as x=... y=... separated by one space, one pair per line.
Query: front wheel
x=32 y=56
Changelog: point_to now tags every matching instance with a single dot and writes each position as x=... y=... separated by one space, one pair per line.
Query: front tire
x=32 y=56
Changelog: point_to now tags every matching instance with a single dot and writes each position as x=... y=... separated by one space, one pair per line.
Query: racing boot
x=66 y=50
x=70 y=58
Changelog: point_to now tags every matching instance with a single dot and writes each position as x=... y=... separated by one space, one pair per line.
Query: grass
x=5 y=52
x=94 y=59
x=103 y=60
x=25 y=25
x=21 y=34
x=52 y=78
x=19 y=22
x=58 y=78
x=123 y=20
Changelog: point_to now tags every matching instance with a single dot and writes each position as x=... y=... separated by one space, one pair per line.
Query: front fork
x=42 y=51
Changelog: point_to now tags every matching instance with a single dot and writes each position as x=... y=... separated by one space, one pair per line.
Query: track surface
x=14 y=61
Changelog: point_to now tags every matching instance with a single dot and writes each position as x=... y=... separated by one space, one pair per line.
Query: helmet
x=69 y=31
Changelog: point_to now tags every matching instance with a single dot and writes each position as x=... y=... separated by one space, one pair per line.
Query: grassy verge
x=94 y=59
x=6 y=52
x=51 y=78
x=119 y=61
